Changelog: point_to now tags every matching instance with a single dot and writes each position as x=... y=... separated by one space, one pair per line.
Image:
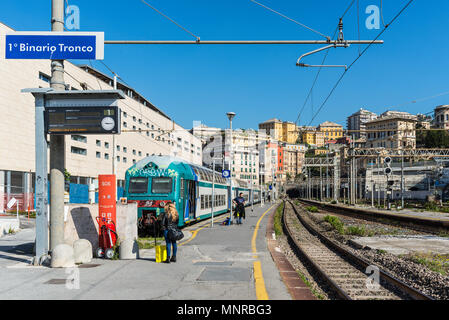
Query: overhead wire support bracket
x=335 y=45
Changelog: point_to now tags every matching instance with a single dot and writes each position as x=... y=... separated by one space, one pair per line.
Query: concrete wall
x=81 y=223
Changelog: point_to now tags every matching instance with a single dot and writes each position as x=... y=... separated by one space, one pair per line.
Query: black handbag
x=174 y=234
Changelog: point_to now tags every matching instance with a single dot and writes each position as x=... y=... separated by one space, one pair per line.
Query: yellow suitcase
x=161 y=253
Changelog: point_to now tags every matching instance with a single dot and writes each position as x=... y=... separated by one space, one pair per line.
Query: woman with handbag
x=169 y=222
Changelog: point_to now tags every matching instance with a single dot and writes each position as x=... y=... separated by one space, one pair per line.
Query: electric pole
x=57 y=142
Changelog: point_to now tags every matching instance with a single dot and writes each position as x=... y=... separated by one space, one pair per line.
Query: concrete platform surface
x=404 y=244
x=223 y=262
x=410 y=212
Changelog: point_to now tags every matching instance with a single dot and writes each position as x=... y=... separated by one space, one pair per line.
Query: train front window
x=162 y=185
x=138 y=185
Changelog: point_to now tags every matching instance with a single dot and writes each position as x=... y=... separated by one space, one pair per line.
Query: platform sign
x=226 y=174
x=55 y=45
x=82 y=120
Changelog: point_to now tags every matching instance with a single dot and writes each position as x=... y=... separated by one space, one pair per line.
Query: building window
x=125 y=115
x=125 y=149
x=134 y=152
x=98 y=142
x=44 y=77
x=118 y=158
x=98 y=155
x=106 y=145
x=106 y=156
x=79 y=138
x=134 y=119
x=125 y=160
x=125 y=124
x=134 y=161
x=80 y=151
x=118 y=148
x=140 y=153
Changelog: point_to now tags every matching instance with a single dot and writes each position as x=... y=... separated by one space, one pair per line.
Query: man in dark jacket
x=239 y=212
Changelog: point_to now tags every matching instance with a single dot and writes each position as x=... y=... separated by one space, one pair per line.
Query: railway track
x=341 y=270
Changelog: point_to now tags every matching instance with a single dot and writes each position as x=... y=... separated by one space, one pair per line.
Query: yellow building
x=313 y=138
x=273 y=127
x=282 y=131
x=331 y=130
x=289 y=132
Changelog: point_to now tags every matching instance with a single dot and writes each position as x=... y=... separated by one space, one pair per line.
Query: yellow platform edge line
x=259 y=282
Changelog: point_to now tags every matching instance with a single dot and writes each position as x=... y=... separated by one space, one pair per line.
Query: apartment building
x=146 y=129
x=312 y=137
x=330 y=130
x=248 y=151
x=441 y=117
x=356 y=123
x=273 y=128
x=293 y=160
x=284 y=131
x=392 y=129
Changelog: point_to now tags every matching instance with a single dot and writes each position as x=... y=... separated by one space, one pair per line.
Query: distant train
x=157 y=180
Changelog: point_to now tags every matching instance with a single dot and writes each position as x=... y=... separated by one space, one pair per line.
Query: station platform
x=214 y=263
x=435 y=219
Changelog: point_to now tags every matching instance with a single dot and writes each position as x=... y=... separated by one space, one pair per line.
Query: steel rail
x=297 y=248
x=412 y=292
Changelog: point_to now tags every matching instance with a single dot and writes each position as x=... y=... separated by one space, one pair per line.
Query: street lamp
x=231 y=116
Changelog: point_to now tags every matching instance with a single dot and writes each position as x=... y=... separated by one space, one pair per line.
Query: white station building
x=150 y=130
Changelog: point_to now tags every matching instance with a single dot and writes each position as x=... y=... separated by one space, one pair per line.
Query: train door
x=191 y=199
x=182 y=198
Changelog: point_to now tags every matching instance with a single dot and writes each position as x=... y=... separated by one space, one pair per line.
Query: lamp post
x=231 y=116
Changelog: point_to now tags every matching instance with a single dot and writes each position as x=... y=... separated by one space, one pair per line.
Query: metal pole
x=355 y=181
x=372 y=185
x=230 y=169
x=57 y=142
x=402 y=179
x=327 y=175
x=241 y=42
x=41 y=182
x=321 y=183
x=252 y=189
x=213 y=192
x=378 y=181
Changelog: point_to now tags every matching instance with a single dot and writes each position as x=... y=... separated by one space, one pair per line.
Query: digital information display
x=82 y=120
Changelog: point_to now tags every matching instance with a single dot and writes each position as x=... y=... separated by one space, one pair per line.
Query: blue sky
x=261 y=82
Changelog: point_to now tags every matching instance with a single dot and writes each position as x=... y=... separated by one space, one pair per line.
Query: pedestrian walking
x=169 y=220
x=239 y=212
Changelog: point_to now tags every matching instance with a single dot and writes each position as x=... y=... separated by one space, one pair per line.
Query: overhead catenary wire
x=288 y=18
x=360 y=55
x=170 y=19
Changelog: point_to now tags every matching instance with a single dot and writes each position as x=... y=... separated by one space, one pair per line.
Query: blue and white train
x=157 y=180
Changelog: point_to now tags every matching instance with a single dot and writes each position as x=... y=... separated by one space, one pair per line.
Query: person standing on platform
x=170 y=219
x=239 y=212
